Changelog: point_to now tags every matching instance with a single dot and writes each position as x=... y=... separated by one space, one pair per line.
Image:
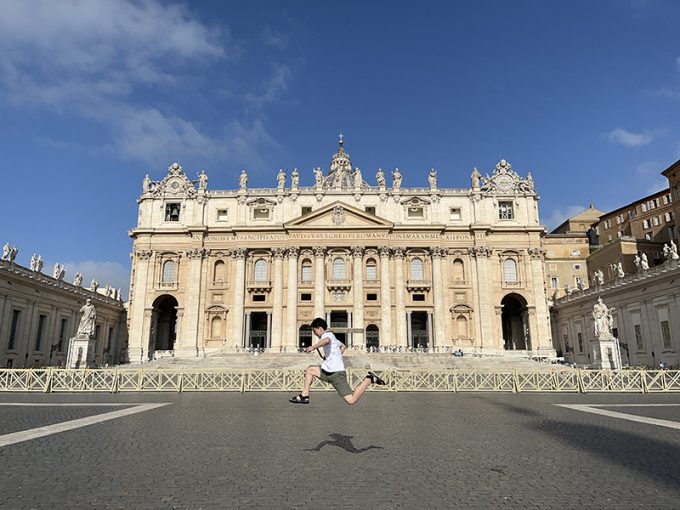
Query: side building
x=39 y=314
x=386 y=265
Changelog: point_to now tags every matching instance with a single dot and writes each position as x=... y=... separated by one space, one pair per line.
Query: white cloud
x=276 y=40
x=623 y=137
x=656 y=184
x=559 y=215
x=274 y=86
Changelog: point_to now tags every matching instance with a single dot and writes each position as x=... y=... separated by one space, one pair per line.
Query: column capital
x=438 y=252
x=480 y=251
x=197 y=253
x=384 y=251
x=357 y=251
x=398 y=253
x=536 y=253
x=238 y=253
x=278 y=253
x=293 y=252
x=319 y=251
x=143 y=254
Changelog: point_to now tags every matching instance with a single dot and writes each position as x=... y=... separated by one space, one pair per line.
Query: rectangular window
x=223 y=215
x=577 y=267
x=609 y=237
x=579 y=335
x=578 y=281
x=306 y=210
x=666 y=335
x=370 y=210
x=454 y=214
x=41 y=327
x=668 y=217
x=554 y=282
x=648 y=236
x=415 y=212
x=639 y=342
x=371 y=297
x=655 y=221
x=306 y=272
x=305 y=297
x=16 y=314
x=261 y=214
x=418 y=297
x=645 y=224
x=505 y=211
x=643 y=207
x=62 y=334
x=172 y=211
x=259 y=298
x=656 y=202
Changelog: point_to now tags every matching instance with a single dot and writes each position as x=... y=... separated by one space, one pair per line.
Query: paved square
x=393 y=450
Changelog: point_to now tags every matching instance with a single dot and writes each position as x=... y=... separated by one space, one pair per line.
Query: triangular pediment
x=338 y=215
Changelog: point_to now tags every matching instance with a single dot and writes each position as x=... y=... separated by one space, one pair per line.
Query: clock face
x=504 y=182
x=174 y=184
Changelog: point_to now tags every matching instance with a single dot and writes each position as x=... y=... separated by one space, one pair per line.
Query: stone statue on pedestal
x=475 y=177
x=380 y=178
x=644 y=264
x=396 y=179
x=86 y=327
x=281 y=179
x=674 y=251
x=295 y=178
x=318 y=177
x=432 y=177
x=243 y=180
x=5 y=251
x=603 y=320
x=357 y=177
x=202 y=180
x=78 y=279
x=619 y=270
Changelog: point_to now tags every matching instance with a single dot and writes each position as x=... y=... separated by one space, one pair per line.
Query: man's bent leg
x=311 y=372
x=358 y=391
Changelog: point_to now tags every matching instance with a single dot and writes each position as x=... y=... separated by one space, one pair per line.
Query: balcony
x=259 y=286
x=418 y=285
x=332 y=285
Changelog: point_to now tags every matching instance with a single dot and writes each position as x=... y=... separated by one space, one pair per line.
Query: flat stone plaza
x=396 y=450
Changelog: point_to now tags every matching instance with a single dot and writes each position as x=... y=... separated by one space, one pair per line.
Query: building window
x=505 y=211
x=668 y=217
x=169 y=271
x=666 y=335
x=619 y=234
x=261 y=213
x=38 y=336
x=370 y=210
x=172 y=211
x=371 y=297
x=648 y=236
x=415 y=212
x=643 y=207
x=62 y=334
x=16 y=314
x=306 y=210
x=418 y=297
x=458 y=271
x=454 y=214
x=259 y=298
x=223 y=215
x=306 y=270
x=577 y=267
x=554 y=282
x=261 y=270
x=580 y=341
x=639 y=342
x=338 y=268
x=417 y=272
x=371 y=269
x=218 y=274
x=305 y=297
x=510 y=271
x=216 y=328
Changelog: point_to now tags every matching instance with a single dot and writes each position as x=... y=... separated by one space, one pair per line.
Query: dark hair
x=319 y=323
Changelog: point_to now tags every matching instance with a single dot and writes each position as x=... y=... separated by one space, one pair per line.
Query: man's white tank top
x=331 y=351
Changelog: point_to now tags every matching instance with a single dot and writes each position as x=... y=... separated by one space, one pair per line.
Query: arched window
x=510 y=270
x=458 y=271
x=371 y=269
x=169 y=271
x=306 y=270
x=218 y=273
x=261 y=270
x=417 y=269
x=461 y=327
x=338 y=268
x=216 y=328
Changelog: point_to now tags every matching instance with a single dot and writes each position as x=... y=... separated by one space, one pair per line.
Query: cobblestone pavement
x=398 y=450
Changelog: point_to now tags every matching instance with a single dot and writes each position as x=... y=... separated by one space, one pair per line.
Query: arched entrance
x=515 y=321
x=372 y=336
x=339 y=321
x=163 y=325
x=305 y=336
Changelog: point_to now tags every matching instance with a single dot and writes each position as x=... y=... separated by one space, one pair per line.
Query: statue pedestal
x=80 y=352
x=606 y=353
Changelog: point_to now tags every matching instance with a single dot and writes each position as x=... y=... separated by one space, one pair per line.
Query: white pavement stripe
x=623 y=416
x=26 y=435
x=94 y=404
x=634 y=405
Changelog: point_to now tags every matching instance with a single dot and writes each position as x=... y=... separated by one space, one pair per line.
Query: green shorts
x=338 y=380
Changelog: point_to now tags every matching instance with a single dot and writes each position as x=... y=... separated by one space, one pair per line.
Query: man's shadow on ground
x=344 y=442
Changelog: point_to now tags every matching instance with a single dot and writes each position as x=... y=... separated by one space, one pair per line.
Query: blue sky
x=95 y=94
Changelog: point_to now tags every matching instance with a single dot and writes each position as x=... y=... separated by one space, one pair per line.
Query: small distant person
x=332 y=370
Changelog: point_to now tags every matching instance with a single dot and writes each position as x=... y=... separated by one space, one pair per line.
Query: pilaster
x=399 y=295
x=385 y=297
x=277 y=310
x=358 y=317
x=239 y=256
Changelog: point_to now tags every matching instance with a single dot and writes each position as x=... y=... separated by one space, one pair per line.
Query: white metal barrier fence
x=55 y=380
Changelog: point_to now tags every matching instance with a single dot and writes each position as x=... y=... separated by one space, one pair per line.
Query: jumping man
x=332 y=370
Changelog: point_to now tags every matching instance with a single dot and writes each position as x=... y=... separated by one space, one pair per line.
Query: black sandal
x=375 y=379
x=299 y=399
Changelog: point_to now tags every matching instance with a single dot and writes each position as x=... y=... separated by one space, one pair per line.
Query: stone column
x=290 y=341
x=189 y=342
x=385 y=297
x=319 y=282
x=246 y=337
x=409 y=341
x=139 y=336
x=358 y=319
x=486 y=320
x=276 y=333
x=239 y=256
x=268 y=338
x=438 y=295
x=430 y=331
x=541 y=337
x=399 y=295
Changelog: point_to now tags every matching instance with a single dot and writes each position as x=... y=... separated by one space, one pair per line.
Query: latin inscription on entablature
x=315 y=236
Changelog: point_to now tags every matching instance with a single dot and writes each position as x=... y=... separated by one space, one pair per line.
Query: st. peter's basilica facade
x=424 y=268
